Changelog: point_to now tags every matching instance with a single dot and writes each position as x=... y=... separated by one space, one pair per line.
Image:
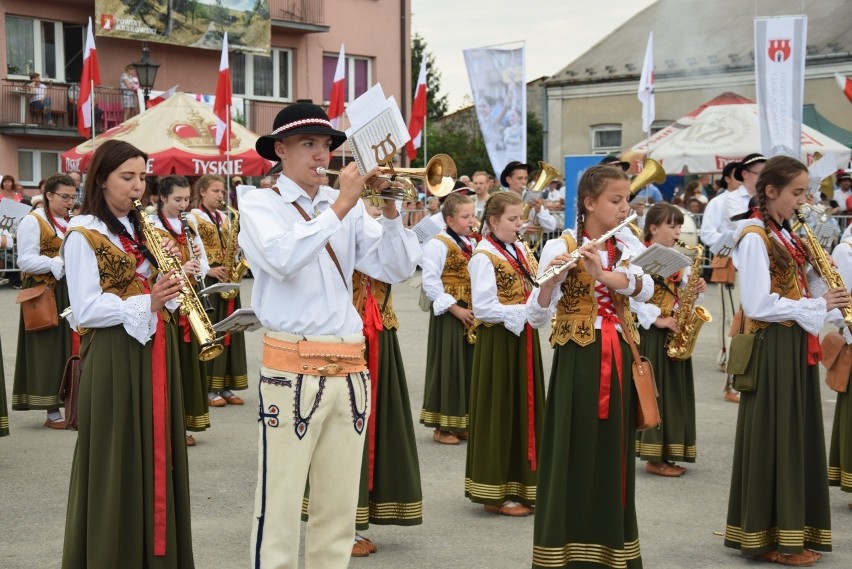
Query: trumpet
x=575 y=254
x=439 y=175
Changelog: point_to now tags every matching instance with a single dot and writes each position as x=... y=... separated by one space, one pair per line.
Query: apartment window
x=657 y=126
x=37 y=165
x=606 y=138
x=262 y=76
x=39 y=46
x=358 y=72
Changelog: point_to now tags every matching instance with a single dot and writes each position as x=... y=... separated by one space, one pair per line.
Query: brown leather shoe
x=445 y=437
x=663 y=469
x=233 y=400
x=732 y=396
x=58 y=425
x=371 y=547
x=190 y=441
x=360 y=549
x=461 y=435
x=217 y=401
x=791 y=560
x=515 y=511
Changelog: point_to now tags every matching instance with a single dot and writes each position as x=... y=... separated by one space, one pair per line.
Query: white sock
x=213 y=395
x=54 y=416
x=227 y=393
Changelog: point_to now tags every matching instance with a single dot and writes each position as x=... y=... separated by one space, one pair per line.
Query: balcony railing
x=57 y=111
x=299 y=11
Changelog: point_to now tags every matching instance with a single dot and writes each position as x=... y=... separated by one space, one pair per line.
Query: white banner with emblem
x=779 y=65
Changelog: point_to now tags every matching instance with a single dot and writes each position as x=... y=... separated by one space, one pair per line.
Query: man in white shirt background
x=481 y=184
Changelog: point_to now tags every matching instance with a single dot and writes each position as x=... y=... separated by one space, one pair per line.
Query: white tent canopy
x=720 y=131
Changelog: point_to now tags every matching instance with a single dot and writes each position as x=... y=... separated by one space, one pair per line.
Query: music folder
x=218 y=288
x=242 y=320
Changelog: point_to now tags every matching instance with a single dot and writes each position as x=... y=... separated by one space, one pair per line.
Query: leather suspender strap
x=327 y=246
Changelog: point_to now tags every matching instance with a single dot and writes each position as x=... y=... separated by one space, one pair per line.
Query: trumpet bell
x=439 y=174
x=652 y=173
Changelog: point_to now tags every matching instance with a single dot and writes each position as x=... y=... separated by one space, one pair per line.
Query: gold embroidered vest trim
x=117 y=269
x=577 y=307
x=49 y=245
x=664 y=298
x=455 y=277
x=210 y=239
x=381 y=291
x=783 y=283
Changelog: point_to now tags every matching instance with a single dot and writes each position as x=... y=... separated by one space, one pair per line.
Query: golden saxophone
x=190 y=306
x=824 y=266
x=235 y=269
x=690 y=318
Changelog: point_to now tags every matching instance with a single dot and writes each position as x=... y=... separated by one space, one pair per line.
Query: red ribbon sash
x=373 y=324
x=228 y=312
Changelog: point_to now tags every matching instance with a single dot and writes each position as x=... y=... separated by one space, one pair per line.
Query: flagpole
x=92 y=111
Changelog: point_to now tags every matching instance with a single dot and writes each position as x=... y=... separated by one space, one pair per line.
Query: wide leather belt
x=313 y=358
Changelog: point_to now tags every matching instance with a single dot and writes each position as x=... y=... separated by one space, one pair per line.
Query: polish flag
x=418 y=114
x=222 y=105
x=845 y=85
x=91 y=77
x=338 y=91
x=161 y=97
x=646 y=86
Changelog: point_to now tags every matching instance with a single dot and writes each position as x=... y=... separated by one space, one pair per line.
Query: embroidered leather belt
x=313 y=358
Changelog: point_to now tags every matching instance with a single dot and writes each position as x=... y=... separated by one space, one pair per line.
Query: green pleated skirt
x=449 y=363
x=193 y=380
x=4 y=411
x=110 y=514
x=229 y=370
x=396 y=498
x=41 y=359
x=586 y=515
x=498 y=466
x=675 y=439
x=779 y=496
x=840 y=451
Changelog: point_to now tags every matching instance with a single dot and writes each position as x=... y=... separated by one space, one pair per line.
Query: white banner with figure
x=499 y=93
x=779 y=65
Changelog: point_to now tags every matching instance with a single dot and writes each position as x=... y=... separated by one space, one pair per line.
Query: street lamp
x=146 y=71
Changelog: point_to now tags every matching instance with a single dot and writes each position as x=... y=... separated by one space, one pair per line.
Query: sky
x=555 y=32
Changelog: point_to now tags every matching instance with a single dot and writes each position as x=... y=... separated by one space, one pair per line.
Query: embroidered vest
x=210 y=239
x=577 y=307
x=382 y=294
x=455 y=276
x=664 y=298
x=49 y=245
x=184 y=248
x=784 y=283
x=510 y=285
x=116 y=268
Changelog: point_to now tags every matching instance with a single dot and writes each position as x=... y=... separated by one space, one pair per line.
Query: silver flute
x=556 y=270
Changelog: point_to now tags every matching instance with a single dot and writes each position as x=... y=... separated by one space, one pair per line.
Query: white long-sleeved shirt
x=483 y=283
x=297 y=286
x=752 y=261
x=30 y=259
x=842 y=255
x=176 y=227
x=543 y=218
x=630 y=248
x=434 y=257
x=91 y=306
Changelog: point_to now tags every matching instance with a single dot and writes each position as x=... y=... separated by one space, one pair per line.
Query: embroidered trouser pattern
x=308 y=424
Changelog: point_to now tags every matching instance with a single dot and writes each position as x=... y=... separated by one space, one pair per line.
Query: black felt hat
x=749 y=160
x=726 y=173
x=298 y=118
x=511 y=167
x=612 y=160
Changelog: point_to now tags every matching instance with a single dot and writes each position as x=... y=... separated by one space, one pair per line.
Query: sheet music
x=218 y=287
x=661 y=260
x=425 y=230
x=242 y=320
x=378 y=131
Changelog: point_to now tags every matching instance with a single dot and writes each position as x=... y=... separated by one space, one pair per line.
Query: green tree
x=535 y=139
x=436 y=104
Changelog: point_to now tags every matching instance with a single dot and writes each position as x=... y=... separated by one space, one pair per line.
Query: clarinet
x=184 y=223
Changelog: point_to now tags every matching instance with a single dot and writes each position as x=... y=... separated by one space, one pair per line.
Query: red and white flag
x=91 y=77
x=338 y=91
x=222 y=105
x=161 y=97
x=646 y=86
x=418 y=113
x=845 y=85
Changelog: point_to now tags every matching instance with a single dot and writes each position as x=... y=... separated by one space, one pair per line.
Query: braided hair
x=591 y=185
x=778 y=172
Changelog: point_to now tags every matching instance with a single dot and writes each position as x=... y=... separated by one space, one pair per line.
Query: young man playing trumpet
x=303 y=241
